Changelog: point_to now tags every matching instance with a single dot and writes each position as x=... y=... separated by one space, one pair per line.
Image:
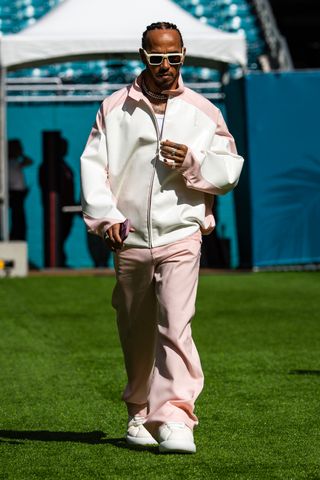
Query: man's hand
x=113 y=238
x=173 y=153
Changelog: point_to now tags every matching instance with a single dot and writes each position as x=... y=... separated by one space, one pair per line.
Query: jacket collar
x=136 y=93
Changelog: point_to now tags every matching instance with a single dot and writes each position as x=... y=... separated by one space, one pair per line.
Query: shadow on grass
x=91 y=438
x=304 y=372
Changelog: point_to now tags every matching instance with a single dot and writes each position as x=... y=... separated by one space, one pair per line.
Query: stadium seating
x=16 y=15
x=230 y=16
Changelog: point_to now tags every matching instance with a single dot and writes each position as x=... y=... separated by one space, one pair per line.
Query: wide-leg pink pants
x=155 y=302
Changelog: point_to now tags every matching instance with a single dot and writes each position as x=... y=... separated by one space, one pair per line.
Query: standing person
x=17 y=189
x=60 y=180
x=67 y=197
x=157 y=154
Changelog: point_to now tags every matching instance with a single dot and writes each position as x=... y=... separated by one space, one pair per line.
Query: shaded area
x=46 y=436
x=304 y=372
x=91 y=438
x=298 y=21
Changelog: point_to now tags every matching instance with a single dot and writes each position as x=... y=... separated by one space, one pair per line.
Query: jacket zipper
x=159 y=137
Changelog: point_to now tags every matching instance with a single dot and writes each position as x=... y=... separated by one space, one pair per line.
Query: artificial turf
x=61 y=377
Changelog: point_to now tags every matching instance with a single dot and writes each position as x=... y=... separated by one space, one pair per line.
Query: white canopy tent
x=82 y=28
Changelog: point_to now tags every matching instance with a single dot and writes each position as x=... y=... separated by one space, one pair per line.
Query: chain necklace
x=156 y=96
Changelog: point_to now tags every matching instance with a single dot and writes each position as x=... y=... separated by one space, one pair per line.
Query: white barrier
x=13 y=259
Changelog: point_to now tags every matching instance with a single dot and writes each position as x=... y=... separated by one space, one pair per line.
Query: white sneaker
x=176 y=437
x=137 y=434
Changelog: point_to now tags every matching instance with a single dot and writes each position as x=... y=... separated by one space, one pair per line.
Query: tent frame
x=4 y=188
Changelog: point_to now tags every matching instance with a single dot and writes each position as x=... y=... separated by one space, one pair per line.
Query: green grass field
x=61 y=378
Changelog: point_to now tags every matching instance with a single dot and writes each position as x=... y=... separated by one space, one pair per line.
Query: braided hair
x=159 y=26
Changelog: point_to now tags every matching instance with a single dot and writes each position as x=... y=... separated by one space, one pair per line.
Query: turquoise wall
x=275 y=119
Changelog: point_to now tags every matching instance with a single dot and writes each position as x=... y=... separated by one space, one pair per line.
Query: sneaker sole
x=173 y=446
x=140 y=441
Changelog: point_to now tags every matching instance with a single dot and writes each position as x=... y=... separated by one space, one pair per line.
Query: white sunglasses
x=157 y=58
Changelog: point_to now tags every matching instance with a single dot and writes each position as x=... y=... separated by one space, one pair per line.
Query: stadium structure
x=62 y=87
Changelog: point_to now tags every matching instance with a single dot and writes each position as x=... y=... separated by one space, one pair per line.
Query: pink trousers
x=155 y=298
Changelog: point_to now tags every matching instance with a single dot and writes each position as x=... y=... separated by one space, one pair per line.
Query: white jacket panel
x=123 y=177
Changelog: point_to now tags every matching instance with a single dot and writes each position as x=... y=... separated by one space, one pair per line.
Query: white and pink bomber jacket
x=123 y=177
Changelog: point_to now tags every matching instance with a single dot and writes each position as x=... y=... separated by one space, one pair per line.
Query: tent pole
x=4 y=204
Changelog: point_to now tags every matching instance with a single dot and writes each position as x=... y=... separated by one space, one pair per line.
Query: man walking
x=157 y=154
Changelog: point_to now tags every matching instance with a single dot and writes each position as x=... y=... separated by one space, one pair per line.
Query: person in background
x=64 y=188
x=157 y=154
x=99 y=251
x=67 y=197
x=17 y=188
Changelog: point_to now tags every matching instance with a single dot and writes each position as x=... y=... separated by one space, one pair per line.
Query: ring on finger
x=173 y=151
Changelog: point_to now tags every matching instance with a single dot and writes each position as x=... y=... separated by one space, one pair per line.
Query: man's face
x=164 y=76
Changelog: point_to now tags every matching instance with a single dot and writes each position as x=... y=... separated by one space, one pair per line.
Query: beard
x=163 y=79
